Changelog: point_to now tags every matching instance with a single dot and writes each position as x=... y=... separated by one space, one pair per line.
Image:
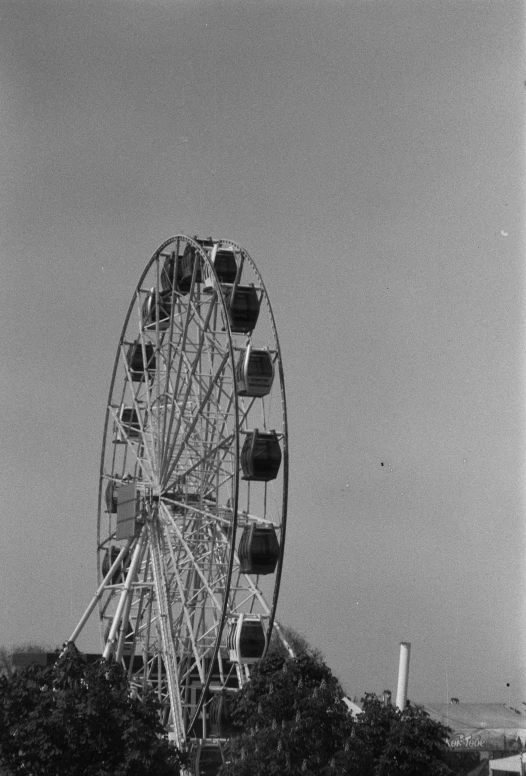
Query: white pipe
x=100 y=591
x=403 y=675
x=130 y=577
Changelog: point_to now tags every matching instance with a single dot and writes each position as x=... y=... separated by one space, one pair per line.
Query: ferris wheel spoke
x=185 y=607
x=209 y=332
x=220 y=431
x=216 y=415
x=200 y=383
x=209 y=418
x=226 y=414
x=254 y=593
x=193 y=424
x=133 y=445
x=167 y=455
x=226 y=479
x=204 y=515
x=208 y=456
x=148 y=382
x=194 y=563
x=137 y=406
x=166 y=628
x=182 y=344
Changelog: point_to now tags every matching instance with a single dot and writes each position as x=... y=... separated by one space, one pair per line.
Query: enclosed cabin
x=247 y=639
x=185 y=269
x=169 y=269
x=171 y=272
x=221 y=722
x=177 y=271
x=254 y=372
x=208 y=759
x=225 y=266
x=243 y=308
x=129 y=424
x=258 y=549
x=141 y=360
x=261 y=456
x=110 y=556
x=157 y=308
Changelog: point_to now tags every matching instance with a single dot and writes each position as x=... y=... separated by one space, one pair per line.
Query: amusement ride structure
x=193 y=488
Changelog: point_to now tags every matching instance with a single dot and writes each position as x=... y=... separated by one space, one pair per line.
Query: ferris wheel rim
x=283 y=525
x=136 y=299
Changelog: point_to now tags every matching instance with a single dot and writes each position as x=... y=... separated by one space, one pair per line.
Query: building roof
x=481 y=726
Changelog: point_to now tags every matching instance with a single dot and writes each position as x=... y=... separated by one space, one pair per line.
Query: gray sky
x=369 y=155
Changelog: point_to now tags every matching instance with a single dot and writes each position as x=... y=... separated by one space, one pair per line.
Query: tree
x=77 y=719
x=400 y=743
x=297 y=641
x=293 y=721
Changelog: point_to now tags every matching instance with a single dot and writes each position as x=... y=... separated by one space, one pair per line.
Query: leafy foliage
x=297 y=641
x=75 y=719
x=400 y=743
x=292 y=722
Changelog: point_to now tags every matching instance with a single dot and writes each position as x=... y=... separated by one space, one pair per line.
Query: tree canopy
x=291 y=720
x=399 y=743
x=80 y=719
x=298 y=642
x=77 y=719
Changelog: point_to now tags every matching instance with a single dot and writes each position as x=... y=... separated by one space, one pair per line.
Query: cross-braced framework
x=193 y=483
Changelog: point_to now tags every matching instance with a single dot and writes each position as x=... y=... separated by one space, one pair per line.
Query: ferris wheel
x=193 y=485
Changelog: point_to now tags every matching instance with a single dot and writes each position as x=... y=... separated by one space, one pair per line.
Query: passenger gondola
x=172 y=274
x=168 y=270
x=157 y=309
x=243 y=308
x=261 y=456
x=247 y=639
x=178 y=270
x=135 y=360
x=221 y=722
x=258 y=549
x=225 y=265
x=208 y=759
x=254 y=372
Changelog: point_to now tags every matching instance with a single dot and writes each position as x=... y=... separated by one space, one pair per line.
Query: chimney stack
x=403 y=675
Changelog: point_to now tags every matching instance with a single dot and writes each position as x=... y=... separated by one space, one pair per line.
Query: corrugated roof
x=476 y=715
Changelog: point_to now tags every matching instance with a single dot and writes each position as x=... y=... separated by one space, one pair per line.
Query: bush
x=75 y=719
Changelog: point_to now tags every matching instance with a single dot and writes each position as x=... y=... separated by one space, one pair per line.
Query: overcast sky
x=369 y=155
